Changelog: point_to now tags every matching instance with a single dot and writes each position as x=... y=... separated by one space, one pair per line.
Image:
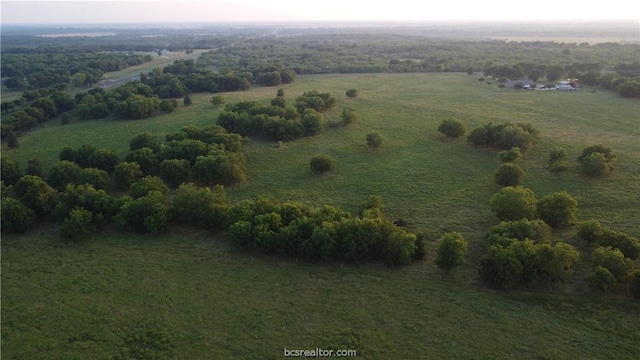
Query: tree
x=500 y=268
x=145 y=157
x=166 y=106
x=450 y=253
x=206 y=207
x=217 y=100
x=147 y=185
x=590 y=231
x=558 y=209
x=10 y=171
x=558 y=160
x=452 y=128
x=34 y=167
x=148 y=213
x=614 y=261
x=36 y=194
x=510 y=156
x=187 y=100
x=126 y=173
x=374 y=140
x=12 y=140
x=508 y=174
x=280 y=93
x=351 y=93
x=103 y=159
x=65 y=118
x=601 y=279
x=175 y=171
x=145 y=140
x=77 y=224
x=514 y=203
x=349 y=116
x=595 y=165
x=322 y=163
x=554 y=72
x=16 y=217
x=64 y=172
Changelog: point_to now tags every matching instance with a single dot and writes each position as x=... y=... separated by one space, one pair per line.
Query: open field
x=73 y=300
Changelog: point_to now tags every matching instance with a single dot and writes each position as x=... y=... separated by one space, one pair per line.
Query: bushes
x=527 y=262
x=558 y=209
x=451 y=251
x=322 y=163
x=148 y=213
x=596 y=160
x=508 y=174
x=514 y=203
x=614 y=261
x=505 y=136
x=451 y=128
x=374 y=140
x=16 y=217
x=77 y=224
x=510 y=156
x=348 y=116
x=293 y=229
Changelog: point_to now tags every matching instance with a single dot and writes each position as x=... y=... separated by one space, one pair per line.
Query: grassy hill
x=188 y=291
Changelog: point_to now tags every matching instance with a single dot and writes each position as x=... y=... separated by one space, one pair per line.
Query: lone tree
x=451 y=251
x=217 y=100
x=352 y=93
x=452 y=128
x=508 y=174
x=322 y=163
x=374 y=140
x=596 y=160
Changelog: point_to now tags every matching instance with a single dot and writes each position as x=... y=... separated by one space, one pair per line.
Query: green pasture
x=84 y=300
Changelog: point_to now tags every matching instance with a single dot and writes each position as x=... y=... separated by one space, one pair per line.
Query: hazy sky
x=61 y=12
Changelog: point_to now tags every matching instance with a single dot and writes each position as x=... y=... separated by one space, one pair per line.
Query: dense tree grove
x=318 y=234
x=505 y=136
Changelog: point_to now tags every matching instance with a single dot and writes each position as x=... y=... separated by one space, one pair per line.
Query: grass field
x=73 y=301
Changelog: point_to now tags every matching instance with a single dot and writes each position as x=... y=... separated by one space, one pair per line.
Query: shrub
x=148 y=213
x=596 y=160
x=451 y=128
x=628 y=245
x=374 y=140
x=126 y=173
x=595 y=165
x=146 y=185
x=77 y=224
x=535 y=230
x=590 y=231
x=348 y=116
x=322 y=163
x=614 y=261
x=508 y=174
x=514 y=203
x=16 y=217
x=511 y=155
x=351 y=93
x=558 y=209
x=450 y=253
x=557 y=155
x=217 y=100
x=175 y=171
x=601 y=279
x=500 y=268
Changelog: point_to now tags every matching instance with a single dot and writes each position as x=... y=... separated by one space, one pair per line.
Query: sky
x=167 y=11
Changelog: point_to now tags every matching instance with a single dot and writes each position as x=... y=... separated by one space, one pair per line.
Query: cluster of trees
x=505 y=136
x=277 y=121
x=184 y=77
x=36 y=71
x=520 y=252
x=625 y=80
x=320 y=234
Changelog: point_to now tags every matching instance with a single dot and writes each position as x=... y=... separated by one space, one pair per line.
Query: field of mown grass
x=73 y=300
